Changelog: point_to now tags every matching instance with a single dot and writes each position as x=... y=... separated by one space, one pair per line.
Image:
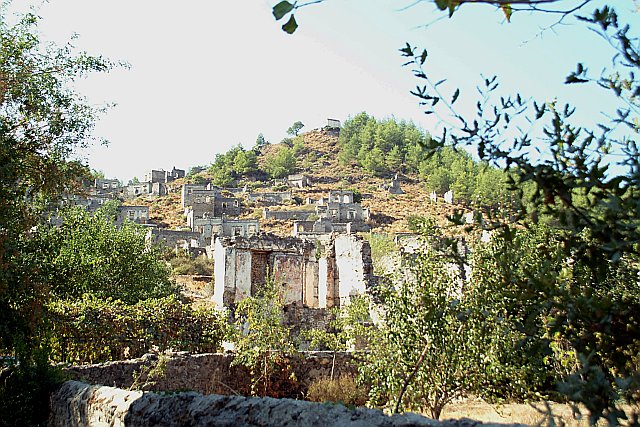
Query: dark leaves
x=281 y=9
x=291 y=25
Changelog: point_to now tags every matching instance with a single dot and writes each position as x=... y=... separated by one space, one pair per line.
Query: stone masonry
x=323 y=273
x=79 y=404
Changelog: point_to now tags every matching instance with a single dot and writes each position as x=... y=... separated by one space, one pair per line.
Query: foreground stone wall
x=79 y=404
x=208 y=373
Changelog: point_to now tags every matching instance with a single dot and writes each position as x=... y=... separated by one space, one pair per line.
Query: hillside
x=389 y=211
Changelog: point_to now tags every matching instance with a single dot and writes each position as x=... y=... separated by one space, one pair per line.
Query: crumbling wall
x=78 y=404
x=354 y=266
x=288 y=215
x=212 y=372
x=270 y=198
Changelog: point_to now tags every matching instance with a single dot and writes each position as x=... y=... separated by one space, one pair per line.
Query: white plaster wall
x=350 y=267
x=322 y=283
x=243 y=274
x=220 y=276
x=288 y=270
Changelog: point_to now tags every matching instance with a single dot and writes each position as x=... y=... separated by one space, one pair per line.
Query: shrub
x=338 y=390
x=92 y=330
x=24 y=393
x=192 y=266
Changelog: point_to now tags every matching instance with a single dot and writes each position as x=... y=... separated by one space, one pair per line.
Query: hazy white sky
x=209 y=74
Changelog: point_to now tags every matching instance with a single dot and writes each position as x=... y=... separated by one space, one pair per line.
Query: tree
x=295 y=128
x=593 y=202
x=281 y=163
x=42 y=122
x=588 y=183
x=431 y=343
x=260 y=336
x=90 y=254
x=260 y=142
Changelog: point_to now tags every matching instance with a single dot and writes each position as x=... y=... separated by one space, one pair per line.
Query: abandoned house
x=394 y=186
x=191 y=191
x=333 y=124
x=106 y=184
x=215 y=206
x=209 y=226
x=137 y=214
x=274 y=198
x=145 y=189
x=324 y=273
x=91 y=202
x=288 y=215
x=162 y=176
x=174 y=239
x=298 y=181
x=312 y=228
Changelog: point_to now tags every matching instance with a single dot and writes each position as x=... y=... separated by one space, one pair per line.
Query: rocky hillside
x=319 y=160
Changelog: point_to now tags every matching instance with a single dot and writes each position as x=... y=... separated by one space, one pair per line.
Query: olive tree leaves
x=282 y=9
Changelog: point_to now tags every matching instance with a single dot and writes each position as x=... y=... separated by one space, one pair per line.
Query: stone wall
x=207 y=373
x=78 y=404
x=288 y=215
x=270 y=198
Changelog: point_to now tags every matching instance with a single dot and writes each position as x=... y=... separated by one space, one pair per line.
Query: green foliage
x=184 y=264
x=234 y=164
x=381 y=147
x=298 y=146
x=382 y=245
x=588 y=183
x=342 y=390
x=261 y=338
x=386 y=147
x=348 y=327
x=295 y=128
x=260 y=142
x=90 y=254
x=426 y=350
x=449 y=169
x=25 y=391
x=42 y=122
x=281 y=163
x=357 y=195
x=93 y=329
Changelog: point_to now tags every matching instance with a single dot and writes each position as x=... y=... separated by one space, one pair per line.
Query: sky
x=206 y=75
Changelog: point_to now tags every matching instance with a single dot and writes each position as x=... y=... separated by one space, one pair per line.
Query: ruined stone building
x=273 y=198
x=298 y=181
x=323 y=273
x=189 y=192
x=333 y=124
x=288 y=215
x=394 y=186
x=312 y=229
x=210 y=227
x=162 y=176
x=202 y=201
x=174 y=239
x=106 y=184
x=343 y=212
x=91 y=202
x=212 y=207
x=137 y=214
x=145 y=189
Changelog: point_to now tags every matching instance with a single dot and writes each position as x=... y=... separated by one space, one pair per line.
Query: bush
x=201 y=266
x=92 y=330
x=342 y=390
x=24 y=393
